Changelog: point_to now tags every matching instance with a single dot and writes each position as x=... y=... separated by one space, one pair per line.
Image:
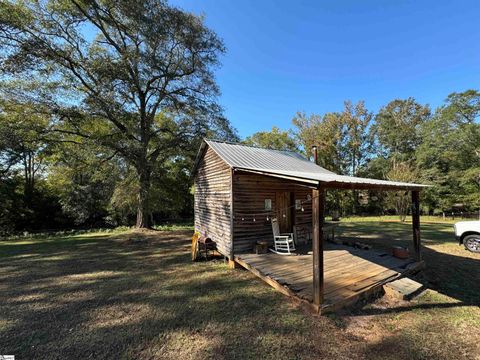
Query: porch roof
x=293 y=166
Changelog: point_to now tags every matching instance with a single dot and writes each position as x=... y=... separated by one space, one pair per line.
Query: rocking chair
x=284 y=244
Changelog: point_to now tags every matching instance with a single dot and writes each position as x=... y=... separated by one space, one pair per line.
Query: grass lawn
x=131 y=295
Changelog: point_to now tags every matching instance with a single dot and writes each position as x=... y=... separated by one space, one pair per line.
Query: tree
x=397 y=128
x=325 y=132
x=449 y=155
x=357 y=140
x=108 y=69
x=84 y=180
x=463 y=107
x=355 y=145
x=274 y=139
x=343 y=143
x=22 y=143
x=400 y=200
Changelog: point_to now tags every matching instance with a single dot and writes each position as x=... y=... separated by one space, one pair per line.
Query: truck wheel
x=472 y=243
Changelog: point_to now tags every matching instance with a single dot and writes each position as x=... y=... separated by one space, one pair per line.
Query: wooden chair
x=284 y=244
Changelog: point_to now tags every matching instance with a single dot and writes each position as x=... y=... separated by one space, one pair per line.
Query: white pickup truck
x=468 y=234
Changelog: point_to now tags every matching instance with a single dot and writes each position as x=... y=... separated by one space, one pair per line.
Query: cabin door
x=283 y=211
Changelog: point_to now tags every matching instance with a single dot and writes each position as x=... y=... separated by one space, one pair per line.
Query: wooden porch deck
x=349 y=273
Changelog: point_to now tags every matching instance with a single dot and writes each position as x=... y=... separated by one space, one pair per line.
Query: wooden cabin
x=239 y=188
x=230 y=195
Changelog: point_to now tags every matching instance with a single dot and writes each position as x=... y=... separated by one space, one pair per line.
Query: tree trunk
x=143 y=209
x=28 y=185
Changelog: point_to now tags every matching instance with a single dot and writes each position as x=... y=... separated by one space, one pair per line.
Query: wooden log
x=318 y=218
x=416 y=224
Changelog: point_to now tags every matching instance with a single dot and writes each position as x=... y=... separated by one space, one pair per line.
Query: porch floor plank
x=349 y=273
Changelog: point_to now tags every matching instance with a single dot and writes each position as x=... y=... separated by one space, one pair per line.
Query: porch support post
x=318 y=218
x=416 y=224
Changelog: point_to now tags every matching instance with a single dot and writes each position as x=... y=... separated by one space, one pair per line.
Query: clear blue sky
x=289 y=56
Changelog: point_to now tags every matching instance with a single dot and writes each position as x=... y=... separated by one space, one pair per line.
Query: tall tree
x=22 y=143
x=400 y=200
x=325 y=132
x=357 y=140
x=274 y=139
x=449 y=155
x=463 y=107
x=108 y=68
x=397 y=128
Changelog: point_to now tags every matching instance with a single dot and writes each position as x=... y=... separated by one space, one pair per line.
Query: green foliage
x=23 y=147
x=397 y=128
x=343 y=143
x=400 y=200
x=141 y=61
x=274 y=139
x=449 y=156
x=357 y=140
x=84 y=184
x=325 y=132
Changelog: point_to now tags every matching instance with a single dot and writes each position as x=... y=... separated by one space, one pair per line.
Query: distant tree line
x=50 y=181
x=404 y=141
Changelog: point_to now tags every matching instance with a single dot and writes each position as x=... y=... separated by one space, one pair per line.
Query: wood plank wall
x=212 y=200
x=249 y=194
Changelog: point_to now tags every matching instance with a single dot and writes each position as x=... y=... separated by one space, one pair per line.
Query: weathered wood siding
x=212 y=200
x=249 y=194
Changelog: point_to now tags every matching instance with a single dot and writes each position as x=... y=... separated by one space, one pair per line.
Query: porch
x=350 y=274
x=271 y=184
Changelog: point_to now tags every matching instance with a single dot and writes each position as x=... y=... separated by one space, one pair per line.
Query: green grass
x=175 y=226
x=395 y=218
x=130 y=295
x=450 y=268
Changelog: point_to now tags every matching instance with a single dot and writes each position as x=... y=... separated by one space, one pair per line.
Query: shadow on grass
x=453 y=275
x=133 y=296
x=139 y=296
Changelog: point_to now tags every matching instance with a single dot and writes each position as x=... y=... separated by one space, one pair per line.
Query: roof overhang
x=312 y=183
x=341 y=181
x=201 y=150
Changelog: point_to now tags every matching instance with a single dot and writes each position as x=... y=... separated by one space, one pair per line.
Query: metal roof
x=291 y=165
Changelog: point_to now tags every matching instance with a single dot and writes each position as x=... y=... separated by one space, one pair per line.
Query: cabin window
x=298 y=204
x=268 y=204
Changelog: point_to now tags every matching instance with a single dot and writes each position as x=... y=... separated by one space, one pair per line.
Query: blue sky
x=289 y=56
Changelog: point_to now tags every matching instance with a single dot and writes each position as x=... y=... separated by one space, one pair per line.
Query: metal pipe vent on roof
x=315 y=154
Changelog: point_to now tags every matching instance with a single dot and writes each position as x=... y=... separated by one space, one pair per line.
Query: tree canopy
x=135 y=78
x=274 y=139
